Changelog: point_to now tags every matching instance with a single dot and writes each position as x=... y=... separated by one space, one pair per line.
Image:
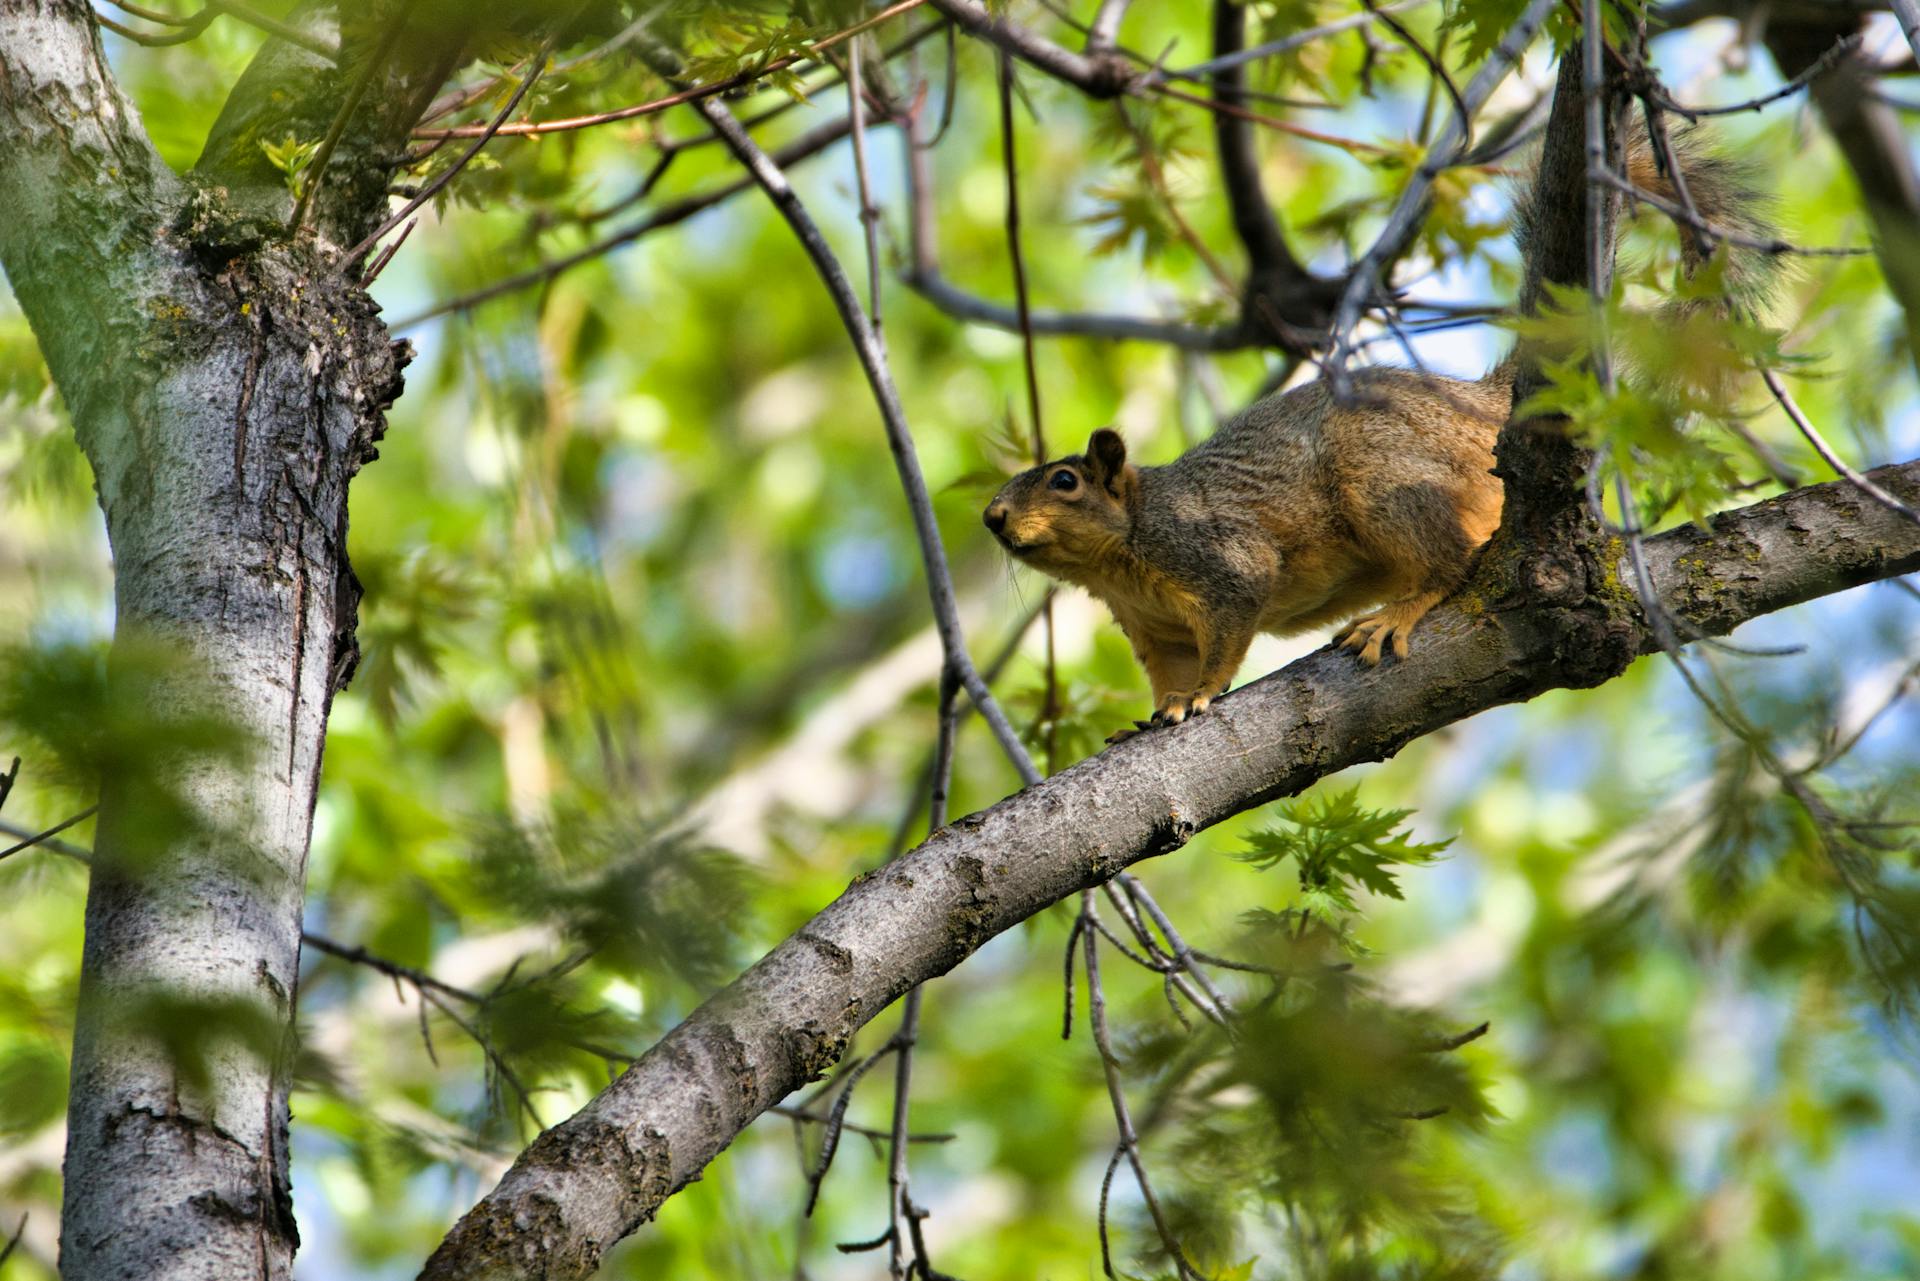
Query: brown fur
x=1298 y=513
x=1303 y=511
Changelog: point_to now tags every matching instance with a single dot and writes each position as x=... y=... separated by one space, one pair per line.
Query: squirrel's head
x=1069 y=514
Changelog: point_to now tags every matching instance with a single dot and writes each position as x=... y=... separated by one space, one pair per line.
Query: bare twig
x=1097 y=74
x=807 y=145
x=1365 y=283
x=46 y=837
x=1841 y=49
x=873 y=360
x=13 y=1241
x=1864 y=484
x=1116 y=1095
x=697 y=93
x=194 y=25
x=385 y=256
x=869 y=211
x=923 y=276
x=1675 y=211
x=1273 y=48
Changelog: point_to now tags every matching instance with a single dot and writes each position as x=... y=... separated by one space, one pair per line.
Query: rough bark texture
x=226 y=385
x=594 y=1178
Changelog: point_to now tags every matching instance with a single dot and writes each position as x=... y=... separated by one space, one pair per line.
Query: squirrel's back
x=1303 y=457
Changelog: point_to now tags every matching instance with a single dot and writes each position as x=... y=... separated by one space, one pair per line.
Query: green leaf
x=1339 y=847
x=291 y=157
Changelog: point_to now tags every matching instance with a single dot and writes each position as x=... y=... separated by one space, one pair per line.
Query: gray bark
x=1521 y=628
x=225 y=385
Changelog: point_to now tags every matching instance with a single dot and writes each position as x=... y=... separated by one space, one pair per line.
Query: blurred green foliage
x=648 y=678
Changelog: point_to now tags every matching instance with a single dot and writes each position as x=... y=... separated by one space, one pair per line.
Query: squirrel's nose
x=996 y=516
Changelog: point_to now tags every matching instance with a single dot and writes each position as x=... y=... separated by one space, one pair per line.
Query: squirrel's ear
x=1106 y=456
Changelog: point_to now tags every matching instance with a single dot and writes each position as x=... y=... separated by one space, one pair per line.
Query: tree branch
x=596 y=1177
x=1098 y=74
x=1282 y=301
x=1870 y=137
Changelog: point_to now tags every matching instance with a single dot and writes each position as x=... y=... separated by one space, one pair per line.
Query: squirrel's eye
x=1064 y=480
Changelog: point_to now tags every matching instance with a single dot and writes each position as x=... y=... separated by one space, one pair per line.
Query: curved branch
x=595 y=1178
x=1253 y=218
x=957 y=302
x=1099 y=74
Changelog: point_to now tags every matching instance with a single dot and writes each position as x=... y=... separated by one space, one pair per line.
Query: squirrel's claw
x=1368 y=635
x=1175 y=708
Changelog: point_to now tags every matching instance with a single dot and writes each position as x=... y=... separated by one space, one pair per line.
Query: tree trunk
x=224 y=480
x=225 y=387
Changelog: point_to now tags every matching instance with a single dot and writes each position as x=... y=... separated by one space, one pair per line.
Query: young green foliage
x=1339 y=846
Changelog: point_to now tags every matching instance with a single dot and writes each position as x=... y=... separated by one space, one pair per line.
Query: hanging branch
x=899 y=439
x=1122 y=1114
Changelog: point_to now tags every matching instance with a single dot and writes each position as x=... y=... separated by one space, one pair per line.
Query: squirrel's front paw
x=1175 y=708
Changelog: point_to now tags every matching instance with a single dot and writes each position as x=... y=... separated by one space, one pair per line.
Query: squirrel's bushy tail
x=1716 y=204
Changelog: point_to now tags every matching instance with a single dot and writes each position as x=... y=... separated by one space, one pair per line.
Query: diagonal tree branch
x=1097 y=73
x=596 y=1177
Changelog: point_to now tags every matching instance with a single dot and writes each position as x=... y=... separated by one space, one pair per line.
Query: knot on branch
x=1110 y=74
x=1289 y=309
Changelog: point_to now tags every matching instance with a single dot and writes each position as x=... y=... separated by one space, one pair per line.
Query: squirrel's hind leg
x=1393 y=624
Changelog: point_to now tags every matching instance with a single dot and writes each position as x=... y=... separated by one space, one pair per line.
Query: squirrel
x=1304 y=509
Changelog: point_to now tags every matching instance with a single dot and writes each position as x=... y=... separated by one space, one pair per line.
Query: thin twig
x=1299 y=40
x=893 y=416
x=1435 y=68
x=1863 y=483
x=864 y=1131
x=869 y=211
x=1808 y=74
x=1366 y=281
x=376 y=62
x=46 y=836
x=1116 y=1095
x=1764 y=245
x=1271 y=122
x=452 y=171
x=14 y=1240
x=196 y=23
x=698 y=93
x=807 y=145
